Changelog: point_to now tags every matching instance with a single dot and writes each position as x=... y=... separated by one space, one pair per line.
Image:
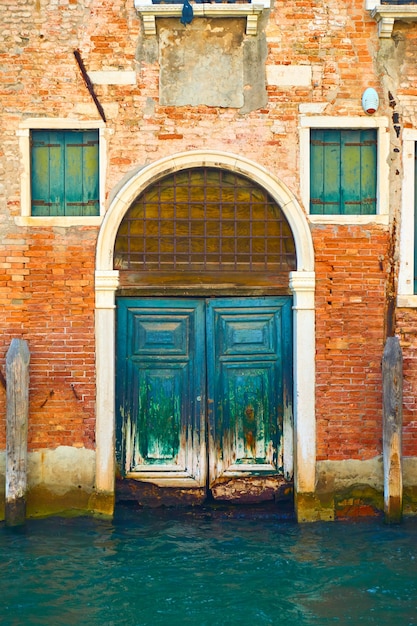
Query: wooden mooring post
x=392 y=384
x=17 y=379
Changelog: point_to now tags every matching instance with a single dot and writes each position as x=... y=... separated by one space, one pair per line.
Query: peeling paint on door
x=249 y=353
x=175 y=353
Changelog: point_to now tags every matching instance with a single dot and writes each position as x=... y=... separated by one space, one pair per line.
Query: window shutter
x=47 y=173
x=65 y=173
x=368 y=171
x=343 y=172
x=350 y=192
x=325 y=172
x=81 y=173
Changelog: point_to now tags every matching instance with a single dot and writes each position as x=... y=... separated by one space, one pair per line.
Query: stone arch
x=142 y=178
x=302 y=284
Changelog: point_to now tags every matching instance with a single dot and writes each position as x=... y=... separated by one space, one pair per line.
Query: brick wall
x=407 y=331
x=47 y=298
x=47 y=282
x=350 y=308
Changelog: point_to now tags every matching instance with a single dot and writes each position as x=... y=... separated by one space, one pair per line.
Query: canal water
x=207 y=569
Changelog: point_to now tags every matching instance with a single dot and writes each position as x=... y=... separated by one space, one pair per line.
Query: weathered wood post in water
x=392 y=384
x=17 y=379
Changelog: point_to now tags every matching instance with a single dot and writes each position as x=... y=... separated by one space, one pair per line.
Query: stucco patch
x=202 y=64
x=333 y=476
x=60 y=469
x=289 y=75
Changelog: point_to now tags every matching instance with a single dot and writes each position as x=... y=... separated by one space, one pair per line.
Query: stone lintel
x=151 y=11
x=386 y=15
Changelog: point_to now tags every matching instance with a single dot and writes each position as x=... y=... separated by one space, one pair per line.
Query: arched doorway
x=269 y=288
x=204 y=368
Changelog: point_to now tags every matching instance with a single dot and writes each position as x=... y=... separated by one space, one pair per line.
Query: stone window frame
x=381 y=124
x=250 y=10
x=45 y=123
x=406 y=296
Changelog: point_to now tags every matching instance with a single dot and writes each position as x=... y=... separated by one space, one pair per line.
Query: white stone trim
x=406 y=302
x=306 y=123
x=302 y=285
x=349 y=219
x=150 y=11
x=386 y=15
x=106 y=283
x=53 y=123
x=63 y=222
x=209 y=158
x=289 y=75
x=113 y=77
x=406 y=297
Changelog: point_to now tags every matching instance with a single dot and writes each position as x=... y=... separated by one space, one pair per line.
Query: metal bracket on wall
x=89 y=84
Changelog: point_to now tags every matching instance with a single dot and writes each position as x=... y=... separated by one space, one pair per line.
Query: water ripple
x=145 y=568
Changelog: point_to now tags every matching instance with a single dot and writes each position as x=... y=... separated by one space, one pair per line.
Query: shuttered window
x=343 y=172
x=64 y=173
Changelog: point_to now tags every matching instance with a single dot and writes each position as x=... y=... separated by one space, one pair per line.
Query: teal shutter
x=65 y=173
x=48 y=177
x=343 y=172
x=81 y=173
x=325 y=172
x=350 y=190
x=369 y=169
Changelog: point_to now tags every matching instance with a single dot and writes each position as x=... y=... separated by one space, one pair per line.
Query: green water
x=157 y=568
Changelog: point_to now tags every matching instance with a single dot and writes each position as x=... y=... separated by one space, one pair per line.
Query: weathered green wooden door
x=196 y=370
x=160 y=390
x=249 y=390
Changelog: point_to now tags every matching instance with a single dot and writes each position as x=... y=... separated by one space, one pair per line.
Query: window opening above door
x=205 y=221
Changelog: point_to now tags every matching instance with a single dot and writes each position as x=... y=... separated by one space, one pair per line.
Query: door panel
x=247 y=356
x=246 y=431
x=169 y=353
x=161 y=367
x=158 y=418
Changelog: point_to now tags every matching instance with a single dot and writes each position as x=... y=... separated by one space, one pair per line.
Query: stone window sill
x=251 y=11
x=62 y=222
x=383 y=220
x=405 y=301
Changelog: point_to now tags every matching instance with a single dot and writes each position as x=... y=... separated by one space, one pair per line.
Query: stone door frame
x=302 y=285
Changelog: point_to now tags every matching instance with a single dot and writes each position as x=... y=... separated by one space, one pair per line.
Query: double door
x=204 y=394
